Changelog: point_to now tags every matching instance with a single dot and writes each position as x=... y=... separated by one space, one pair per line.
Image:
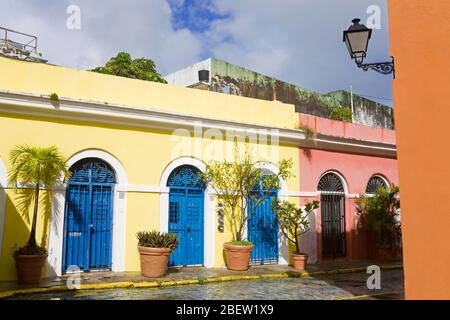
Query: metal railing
x=10 y=44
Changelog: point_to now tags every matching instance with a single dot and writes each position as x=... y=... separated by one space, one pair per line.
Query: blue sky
x=298 y=41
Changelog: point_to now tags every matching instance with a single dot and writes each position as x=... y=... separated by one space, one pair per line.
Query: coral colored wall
x=420 y=33
x=356 y=169
x=348 y=130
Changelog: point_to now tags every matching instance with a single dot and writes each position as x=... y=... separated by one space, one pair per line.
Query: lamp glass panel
x=358 y=41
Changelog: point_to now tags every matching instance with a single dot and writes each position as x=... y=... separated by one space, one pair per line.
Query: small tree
x=294 y=221
x=235 y=184
x=35 y=168
x=341 y=114
x=380 y=214
x=124 y=66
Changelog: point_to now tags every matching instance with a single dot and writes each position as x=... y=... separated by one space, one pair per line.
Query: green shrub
x=379 y=214
x=342 y=114
x=156 y=239
x=54 y=97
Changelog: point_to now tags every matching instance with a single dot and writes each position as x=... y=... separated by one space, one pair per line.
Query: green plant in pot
x=33 y=173
x=154 y=249
x=294 y=222
x=235 y=183
x=379 y=214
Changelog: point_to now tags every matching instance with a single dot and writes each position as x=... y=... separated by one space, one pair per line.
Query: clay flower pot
x=299 y=261
x=154 y=261
x=237 y=257
x=29 y=268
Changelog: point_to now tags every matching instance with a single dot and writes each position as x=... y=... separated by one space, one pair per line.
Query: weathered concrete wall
x=232 y=79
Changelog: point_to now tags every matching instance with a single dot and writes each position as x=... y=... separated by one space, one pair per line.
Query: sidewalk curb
x=199 y=281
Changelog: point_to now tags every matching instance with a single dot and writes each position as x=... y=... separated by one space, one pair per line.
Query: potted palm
x=34 y=172
x=235 y=183
x=154 y=249
x=294 y=222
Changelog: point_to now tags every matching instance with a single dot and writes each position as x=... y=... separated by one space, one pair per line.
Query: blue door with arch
x=263 y=226
x=89 y=216
x=186 y=215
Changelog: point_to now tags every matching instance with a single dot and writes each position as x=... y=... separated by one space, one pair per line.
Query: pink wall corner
x=349 y=130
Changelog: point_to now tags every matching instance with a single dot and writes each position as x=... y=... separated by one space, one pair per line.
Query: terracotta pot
x=299 y=261
x=237 y=257
x=29 y=268
x=154 y=261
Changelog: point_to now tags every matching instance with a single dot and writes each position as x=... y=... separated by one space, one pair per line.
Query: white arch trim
x=344 y=182
x=209 y=216
x=3 y=186
x=56 y=238
x=283 y=244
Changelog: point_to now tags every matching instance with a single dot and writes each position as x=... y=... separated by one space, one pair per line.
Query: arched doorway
x=186 y=215
x=88 y=221
x=332 y=203
x=263 y=226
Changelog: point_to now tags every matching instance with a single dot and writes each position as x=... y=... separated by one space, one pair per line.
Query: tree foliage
x=380 y=214
x=236 y=183
x=123 y=65
x=33 y=169
x=342 y=114
x=293 y=221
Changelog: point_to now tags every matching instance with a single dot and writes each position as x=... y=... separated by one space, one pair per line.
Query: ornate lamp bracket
x=380 y=67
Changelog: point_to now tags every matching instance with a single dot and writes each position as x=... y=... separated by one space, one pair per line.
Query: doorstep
x=189 y=276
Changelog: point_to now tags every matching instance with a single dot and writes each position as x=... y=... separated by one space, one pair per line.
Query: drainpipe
x=351 y=102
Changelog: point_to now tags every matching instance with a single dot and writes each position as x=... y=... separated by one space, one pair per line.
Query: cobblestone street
x=340 y=286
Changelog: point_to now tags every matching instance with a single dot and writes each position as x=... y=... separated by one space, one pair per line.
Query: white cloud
x=140 y=27
x=299 y=41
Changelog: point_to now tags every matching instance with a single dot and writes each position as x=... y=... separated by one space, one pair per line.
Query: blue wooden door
x=186 y=216
x=263 y=229
x=88 y=216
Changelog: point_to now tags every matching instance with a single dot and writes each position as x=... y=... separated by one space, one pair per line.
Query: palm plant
x=35 y=168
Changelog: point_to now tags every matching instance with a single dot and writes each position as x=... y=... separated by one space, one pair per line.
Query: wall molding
x=119 y=114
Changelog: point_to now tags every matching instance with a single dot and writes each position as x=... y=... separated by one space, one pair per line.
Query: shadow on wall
x=17 y=231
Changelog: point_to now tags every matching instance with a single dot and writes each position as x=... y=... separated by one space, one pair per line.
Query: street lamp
x=357 y=39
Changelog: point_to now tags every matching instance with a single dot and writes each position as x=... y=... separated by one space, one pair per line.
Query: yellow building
x=134 y=137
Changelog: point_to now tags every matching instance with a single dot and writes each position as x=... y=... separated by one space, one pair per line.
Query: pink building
x=361 y=160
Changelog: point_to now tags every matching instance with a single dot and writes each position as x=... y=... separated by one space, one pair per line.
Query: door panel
x=88 y=216
x=77 y=233
x=333 y=225
x=101 y=227
x=263 y=231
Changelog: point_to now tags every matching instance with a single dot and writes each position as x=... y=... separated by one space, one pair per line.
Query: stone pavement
x=190 y=276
